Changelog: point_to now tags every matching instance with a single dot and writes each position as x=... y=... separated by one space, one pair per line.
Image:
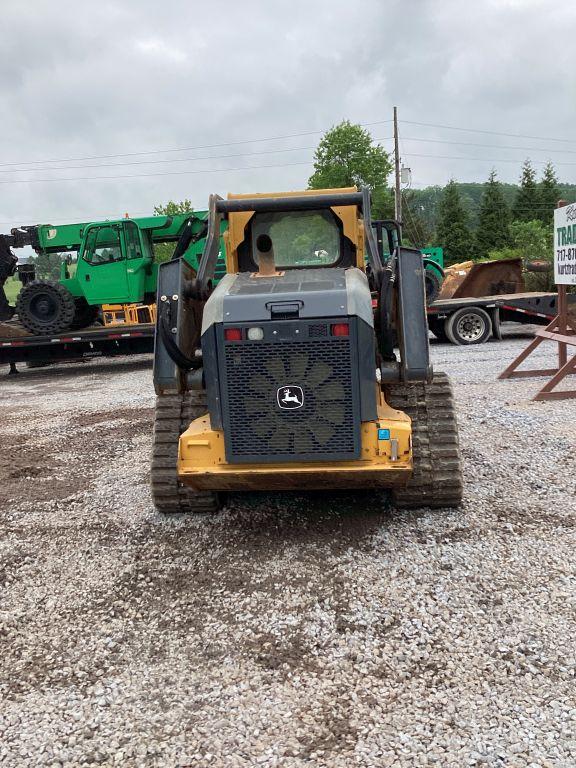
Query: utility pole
x=397 y=190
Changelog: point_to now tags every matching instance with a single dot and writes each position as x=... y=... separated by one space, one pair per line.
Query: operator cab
x=300 y=240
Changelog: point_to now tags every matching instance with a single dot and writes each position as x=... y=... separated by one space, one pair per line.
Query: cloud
x=114 y=77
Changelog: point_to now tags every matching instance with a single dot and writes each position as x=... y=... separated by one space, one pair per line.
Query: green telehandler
x=115 y=265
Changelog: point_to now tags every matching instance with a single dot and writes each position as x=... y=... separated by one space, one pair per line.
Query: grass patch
x=12 y=287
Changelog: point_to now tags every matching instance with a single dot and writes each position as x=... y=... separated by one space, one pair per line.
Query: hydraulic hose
x=174 y=352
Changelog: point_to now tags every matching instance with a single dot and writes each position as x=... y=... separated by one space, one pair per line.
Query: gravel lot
x=307 y=631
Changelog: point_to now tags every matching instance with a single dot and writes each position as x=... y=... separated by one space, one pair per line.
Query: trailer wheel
x=44 y=307
x=496 y=324
x=438 y=327
x=437 y=476
x=173 y=416
x=469 y=325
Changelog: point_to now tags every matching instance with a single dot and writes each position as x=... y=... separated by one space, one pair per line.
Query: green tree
x=493 y=219
x=452 y=230
x=549 y=193
x=527 y=199
x=47 y=265
x=347 y=157
x=164 y=251
x=530 y=241
x=416 y=227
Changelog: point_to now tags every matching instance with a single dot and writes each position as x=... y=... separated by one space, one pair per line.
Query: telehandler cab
x=284 y=376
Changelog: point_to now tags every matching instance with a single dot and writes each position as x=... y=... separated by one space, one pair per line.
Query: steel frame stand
x=562 y=330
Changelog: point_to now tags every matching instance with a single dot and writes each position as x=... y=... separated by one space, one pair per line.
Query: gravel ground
x=284 y=631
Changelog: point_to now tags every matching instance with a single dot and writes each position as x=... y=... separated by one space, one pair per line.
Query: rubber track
x=174 y=413
x=437 y=478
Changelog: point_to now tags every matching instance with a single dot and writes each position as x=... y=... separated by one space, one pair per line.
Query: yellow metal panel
x=348 y=214
x=383 y=463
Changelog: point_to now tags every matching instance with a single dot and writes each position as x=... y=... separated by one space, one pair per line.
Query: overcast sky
x=89 y=79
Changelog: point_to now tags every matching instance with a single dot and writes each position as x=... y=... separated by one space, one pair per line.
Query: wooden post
x=561 y=330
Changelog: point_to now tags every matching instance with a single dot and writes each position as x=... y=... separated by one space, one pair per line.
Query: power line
x=181 y=149
x=157 y=162
x=148 y=175
x=490 y=146
x=414 y=220
x=491 y=133
x=74 y=218
x=479 y=159
x=154 y=162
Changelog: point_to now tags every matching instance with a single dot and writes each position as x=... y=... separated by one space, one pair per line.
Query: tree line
x=469 y=221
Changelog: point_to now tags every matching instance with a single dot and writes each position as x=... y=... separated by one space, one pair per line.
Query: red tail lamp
x=340 y=329
x=233 y=334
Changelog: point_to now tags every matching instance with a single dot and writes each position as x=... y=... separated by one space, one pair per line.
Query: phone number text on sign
x=565 y=245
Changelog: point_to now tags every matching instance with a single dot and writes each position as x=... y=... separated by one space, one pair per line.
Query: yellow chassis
x=384 y=464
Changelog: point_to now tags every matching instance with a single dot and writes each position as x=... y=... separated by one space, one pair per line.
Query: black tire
x=174 y=413
x=438 y=328
x=432 y=284
x=437 y=476
x=44 y=307
x=469 y=325
x=496 y=324
x=84 y=314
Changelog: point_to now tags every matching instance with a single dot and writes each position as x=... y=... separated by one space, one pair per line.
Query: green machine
x=115 y=265
x=433 y=260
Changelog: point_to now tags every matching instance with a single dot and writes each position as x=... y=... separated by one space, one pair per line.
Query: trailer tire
x=438 y=327
x=437 y=477
x=44 y=307
x=174 y=413
x=469 y=325
x=496 y=324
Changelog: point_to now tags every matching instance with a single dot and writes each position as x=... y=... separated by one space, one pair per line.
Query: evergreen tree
x=493 y=219
x=416 y=229
x=527 y=200
x=549 y=193
x=452 y=231
x=47 y=265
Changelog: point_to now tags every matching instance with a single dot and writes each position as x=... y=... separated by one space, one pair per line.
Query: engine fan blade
x=298 y=366
x=333 y=390
x=319 y=373
x=275 y=368
x=321 y=430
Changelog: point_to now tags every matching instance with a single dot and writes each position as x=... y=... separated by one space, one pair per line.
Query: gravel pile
x=284 y=631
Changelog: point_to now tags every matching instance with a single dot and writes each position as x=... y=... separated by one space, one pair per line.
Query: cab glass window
x=299 y=238
x=132 y=240
x=103 y=245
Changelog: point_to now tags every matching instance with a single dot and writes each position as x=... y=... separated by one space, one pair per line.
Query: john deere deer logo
x=290 y=397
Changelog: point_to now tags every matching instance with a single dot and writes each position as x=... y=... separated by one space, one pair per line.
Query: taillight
x=233 y=334
x=340 y=329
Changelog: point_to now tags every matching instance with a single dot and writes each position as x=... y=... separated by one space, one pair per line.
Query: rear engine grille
x=260 y=426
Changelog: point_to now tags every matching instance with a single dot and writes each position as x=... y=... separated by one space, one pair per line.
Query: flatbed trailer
x=473 y=320
x=459 y=321
x=105 y=341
